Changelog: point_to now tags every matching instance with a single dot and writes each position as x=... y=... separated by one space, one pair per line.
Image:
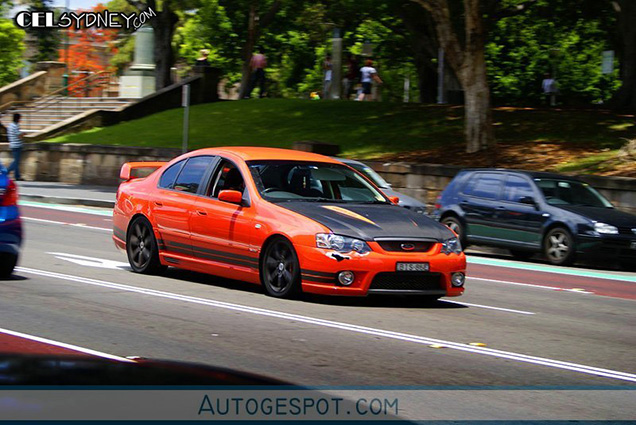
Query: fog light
x=346 y=278
x=457 y=279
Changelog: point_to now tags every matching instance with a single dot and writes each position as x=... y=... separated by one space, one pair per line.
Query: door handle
x=500 y=208
x=202 y=212
x=159 y=204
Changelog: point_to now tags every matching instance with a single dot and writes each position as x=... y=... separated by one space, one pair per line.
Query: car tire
x=521 y=255
x=558 y=247
x=627 y=265
x=9 y=262
x=280 y=269
x=142 y=249
x=456 y=226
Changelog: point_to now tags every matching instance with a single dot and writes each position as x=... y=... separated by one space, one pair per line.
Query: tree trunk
x=164 y=26
x=625 y=98
x=248 y=51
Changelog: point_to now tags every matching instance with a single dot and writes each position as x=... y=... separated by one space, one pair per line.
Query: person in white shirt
x=15 y=144
x=368 y=74
x=327 y=67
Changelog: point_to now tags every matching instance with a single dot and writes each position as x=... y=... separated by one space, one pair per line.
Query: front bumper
x=375 y=272
x=619 y=247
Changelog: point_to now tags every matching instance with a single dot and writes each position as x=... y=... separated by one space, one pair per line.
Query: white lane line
x=344 y=326
x=79 y=225
x=509 y=310
x=103 y=212
x=553 y=288
x=65 y=345
x=83 y=260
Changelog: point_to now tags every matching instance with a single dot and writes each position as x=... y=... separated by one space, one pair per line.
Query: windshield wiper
x=337 y=201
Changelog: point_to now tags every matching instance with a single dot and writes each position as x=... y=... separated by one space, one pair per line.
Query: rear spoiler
x=137 y=170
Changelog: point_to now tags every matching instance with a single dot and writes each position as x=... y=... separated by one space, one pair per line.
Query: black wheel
x=280 y=270
x=558 y=247
x=141 y=247
x=521 y=255
x=628 y=265
x=7 y=264
x=456 y=226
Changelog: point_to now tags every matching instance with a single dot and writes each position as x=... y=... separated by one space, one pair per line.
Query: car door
x=519 y=220
x=174 y=201
x=222 y=231
x=479 y=204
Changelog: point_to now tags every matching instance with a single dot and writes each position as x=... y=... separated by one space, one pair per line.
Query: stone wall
x=95 y=164
x=47 y=78
x=426 y=181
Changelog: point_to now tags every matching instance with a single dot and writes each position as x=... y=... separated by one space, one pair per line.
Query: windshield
x=279 y=181
x=371 y=174
x=570 y=192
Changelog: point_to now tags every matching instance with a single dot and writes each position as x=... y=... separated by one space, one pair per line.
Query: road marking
x=64 y=345
x=553 y=288
x=549 y=269
x=488 y=307
x=589 y=370
x=91 y=261
x=80 y=225
x=103 y=212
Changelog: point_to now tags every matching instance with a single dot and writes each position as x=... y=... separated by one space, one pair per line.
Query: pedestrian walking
x=351 y=76
x=327 y=67
x=15 y=144
x=368 y=75
x=258 y=63
x=550 y=89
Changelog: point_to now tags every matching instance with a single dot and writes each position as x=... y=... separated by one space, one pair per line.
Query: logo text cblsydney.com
x=103 y=19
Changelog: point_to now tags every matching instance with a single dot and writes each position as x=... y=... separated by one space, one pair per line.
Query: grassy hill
x=545 y=139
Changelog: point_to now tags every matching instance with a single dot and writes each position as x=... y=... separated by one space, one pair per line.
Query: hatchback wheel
x=141 y=247
x=280 y=270
x=456 y=226
x=558 y=247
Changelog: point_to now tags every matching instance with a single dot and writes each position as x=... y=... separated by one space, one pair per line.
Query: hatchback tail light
x=10 y=195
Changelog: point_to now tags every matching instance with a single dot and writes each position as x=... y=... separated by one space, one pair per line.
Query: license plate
x=633 y=245
x=411 y=267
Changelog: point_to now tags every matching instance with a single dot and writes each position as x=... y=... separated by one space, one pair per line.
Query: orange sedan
x=291 y=221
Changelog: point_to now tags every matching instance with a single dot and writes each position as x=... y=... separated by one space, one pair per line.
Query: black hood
x=610 y=216
x=368 y=222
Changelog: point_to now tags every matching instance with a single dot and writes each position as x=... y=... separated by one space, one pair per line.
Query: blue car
x=533 y=212
x=10 y=225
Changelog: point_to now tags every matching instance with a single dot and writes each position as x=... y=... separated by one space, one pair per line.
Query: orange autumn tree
x=89 y=52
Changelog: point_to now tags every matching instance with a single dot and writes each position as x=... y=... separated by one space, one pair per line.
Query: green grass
x=363 y=130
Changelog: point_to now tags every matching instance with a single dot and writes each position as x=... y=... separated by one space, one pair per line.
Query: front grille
x=627 y=230
x=406 y=281
x=398 y=246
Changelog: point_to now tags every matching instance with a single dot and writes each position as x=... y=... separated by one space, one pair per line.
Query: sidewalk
x=68 y=194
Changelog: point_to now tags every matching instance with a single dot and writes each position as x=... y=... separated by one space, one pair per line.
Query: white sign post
x=185 y=102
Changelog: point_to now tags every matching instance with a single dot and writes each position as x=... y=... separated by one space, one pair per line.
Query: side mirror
x=528 y=200
x=394 y=199
x=231 y=196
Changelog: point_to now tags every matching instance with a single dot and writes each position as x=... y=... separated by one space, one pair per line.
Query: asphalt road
x=517 y=324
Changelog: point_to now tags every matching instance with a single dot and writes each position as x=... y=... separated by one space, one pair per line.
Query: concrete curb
x=100 y=203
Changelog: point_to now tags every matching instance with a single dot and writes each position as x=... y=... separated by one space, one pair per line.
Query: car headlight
x=605 y=229
x=451 y=246
x=342 y=244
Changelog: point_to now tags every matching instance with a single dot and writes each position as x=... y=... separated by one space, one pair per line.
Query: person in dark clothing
x=351 y=76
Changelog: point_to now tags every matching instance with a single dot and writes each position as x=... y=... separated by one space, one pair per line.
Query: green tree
x=11 y=50
x=47 y=40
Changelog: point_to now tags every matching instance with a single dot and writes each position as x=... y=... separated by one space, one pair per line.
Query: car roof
x=251 y=153
x=347 y=160
x=532 y=174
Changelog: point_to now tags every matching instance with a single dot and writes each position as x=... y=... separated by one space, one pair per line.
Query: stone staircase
x=44 y=112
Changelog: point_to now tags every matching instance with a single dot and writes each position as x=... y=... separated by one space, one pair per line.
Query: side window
x=227 y=177
x=517 y=188
x=192 y=174
x=168 y=177
x=487 y=186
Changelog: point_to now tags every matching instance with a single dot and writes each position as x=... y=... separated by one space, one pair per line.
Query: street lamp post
x=66 y=42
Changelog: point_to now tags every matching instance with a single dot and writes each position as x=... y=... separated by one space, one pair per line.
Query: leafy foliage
x=11 y=49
